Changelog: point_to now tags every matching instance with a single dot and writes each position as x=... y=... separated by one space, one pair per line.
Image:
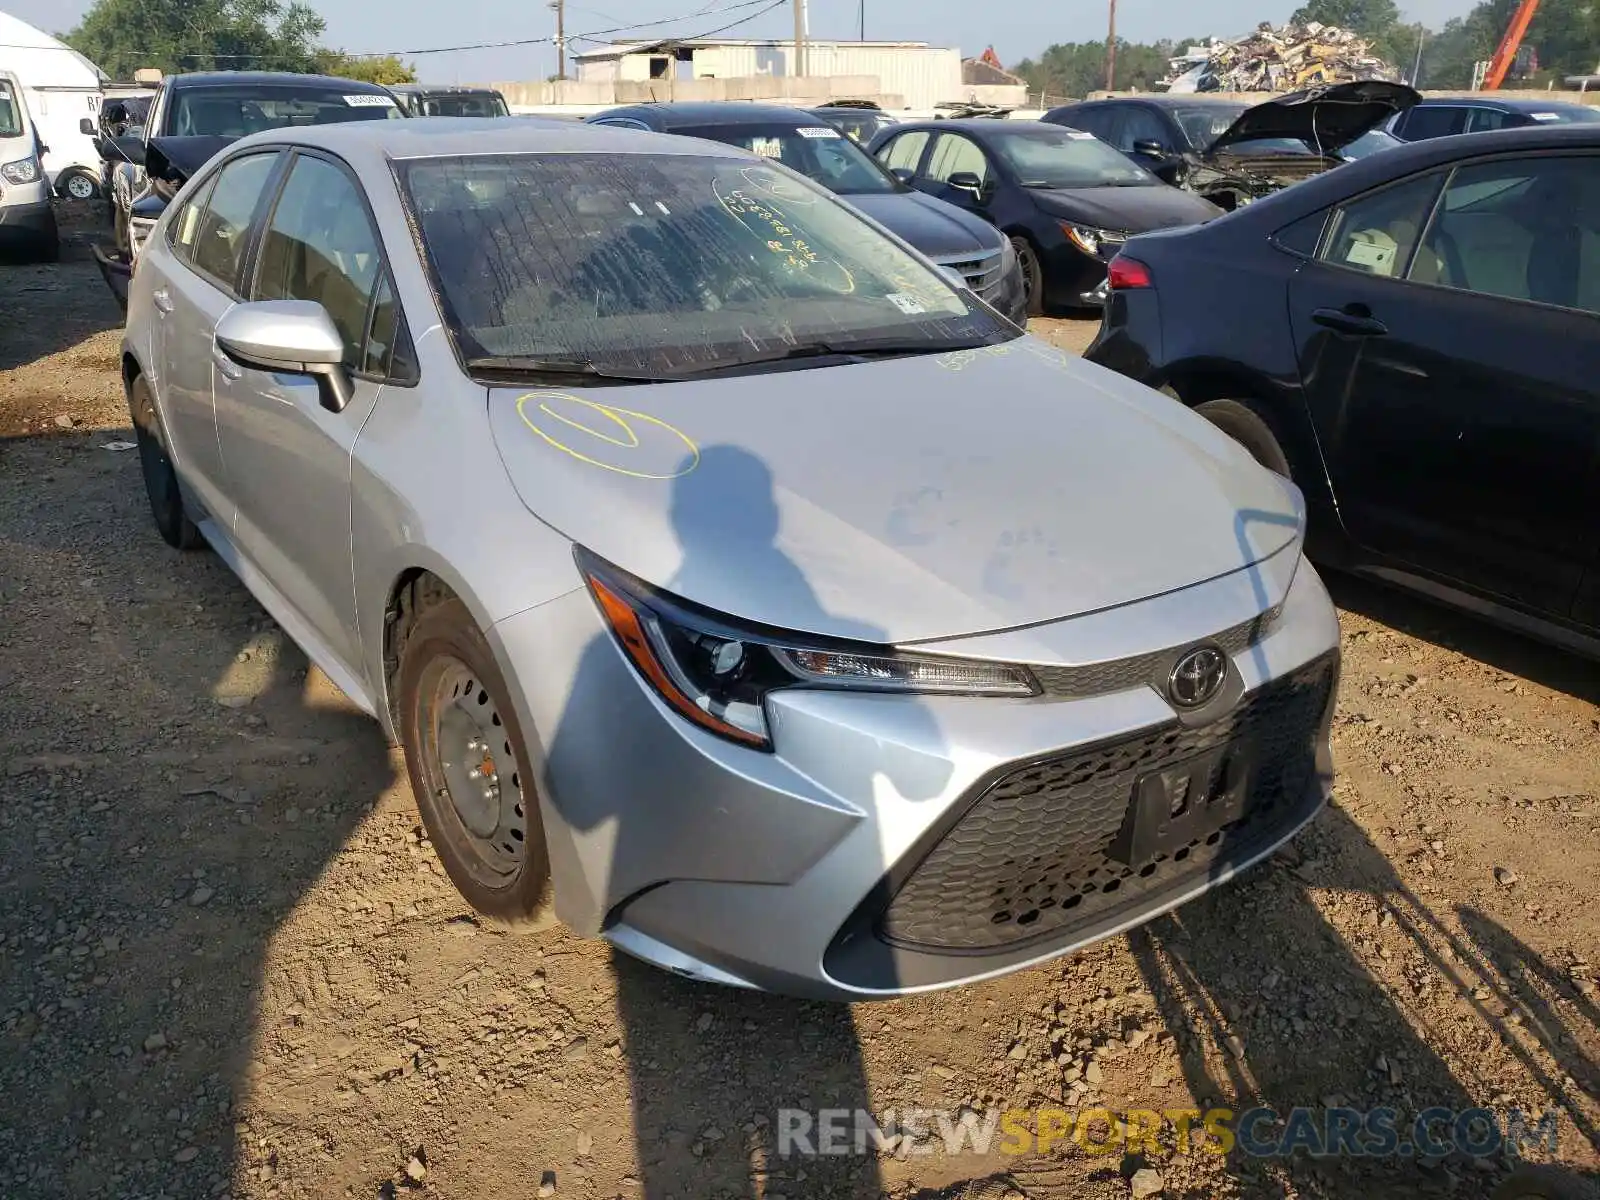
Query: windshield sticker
x=766 y=221
x=766 y=147
x=817 y=131
x=369 y=101
x=1079 y=135
x=1546 y=116
x=611 y=438
x=906 y=303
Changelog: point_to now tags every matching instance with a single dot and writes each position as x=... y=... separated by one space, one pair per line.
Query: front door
x=1442 y=333
x=955 y=155
x=198 y=285
x=288 y=456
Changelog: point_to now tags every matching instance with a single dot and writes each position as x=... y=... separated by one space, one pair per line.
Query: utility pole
x=861 y=12
x=799 y=37
x=1111 y=51
x=561 y=37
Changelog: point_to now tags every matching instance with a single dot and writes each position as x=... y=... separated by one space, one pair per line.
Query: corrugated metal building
x=924 y=75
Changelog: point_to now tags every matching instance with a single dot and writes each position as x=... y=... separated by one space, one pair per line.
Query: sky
x=1016 y=30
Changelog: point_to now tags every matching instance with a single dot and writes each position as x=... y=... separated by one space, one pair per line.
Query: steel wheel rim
x=470 y=768
x=79 y=187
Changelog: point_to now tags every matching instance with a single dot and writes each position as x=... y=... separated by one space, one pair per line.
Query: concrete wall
x=808 y=91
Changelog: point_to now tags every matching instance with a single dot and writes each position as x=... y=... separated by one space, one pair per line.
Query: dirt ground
x=229 y=965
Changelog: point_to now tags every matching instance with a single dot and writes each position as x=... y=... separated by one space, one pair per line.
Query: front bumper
x=30 y=219
x=116 y=270
x=895 y=844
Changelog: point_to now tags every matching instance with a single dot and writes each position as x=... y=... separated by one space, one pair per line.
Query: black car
x=441 y=100
x=859 y=124
x=945 y=233
x=1232 y=152
x=192 y=118
x=1482 y=114
x=1415 y=340
x=1065 y=199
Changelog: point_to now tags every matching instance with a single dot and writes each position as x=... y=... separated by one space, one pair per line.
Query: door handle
x=1353 y=324
x=162 y=299
x=229 y=368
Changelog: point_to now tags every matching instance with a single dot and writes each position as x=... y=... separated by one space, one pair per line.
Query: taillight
x=1124 y=274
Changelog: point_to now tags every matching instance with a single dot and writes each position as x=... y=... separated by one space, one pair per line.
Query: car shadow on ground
x=42 y=305
x=1473 y=636
x=138 y=924
x=1256 y=1041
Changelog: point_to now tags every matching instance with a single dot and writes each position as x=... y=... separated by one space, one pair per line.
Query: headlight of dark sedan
x=1090 y=240
x=718 y=673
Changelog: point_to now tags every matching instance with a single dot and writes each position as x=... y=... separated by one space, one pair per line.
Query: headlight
x=718 y=675
x=23 y=171
x=1088 y=239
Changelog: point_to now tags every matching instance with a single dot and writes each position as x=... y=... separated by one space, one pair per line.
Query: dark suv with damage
x=192 y=118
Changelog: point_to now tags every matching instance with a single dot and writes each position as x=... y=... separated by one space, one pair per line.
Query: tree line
x=122 y=36
x=1565 y=35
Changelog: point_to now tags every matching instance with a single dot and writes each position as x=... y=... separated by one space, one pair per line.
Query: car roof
x=710 y=112
x=976 y=125
x=440 y=89
x=372 y=143
x=1509 y=103
x=355 y=87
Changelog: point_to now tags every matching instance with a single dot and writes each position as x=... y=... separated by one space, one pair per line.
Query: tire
x=1245 y=426
x=78 y=185
x=1032 y=275
x=458 y=727
x=160 y=479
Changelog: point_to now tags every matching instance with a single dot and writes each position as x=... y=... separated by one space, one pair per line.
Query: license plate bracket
x=1183 y=802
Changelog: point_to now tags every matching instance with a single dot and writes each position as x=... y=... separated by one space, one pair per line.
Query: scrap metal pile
x=1278 y=59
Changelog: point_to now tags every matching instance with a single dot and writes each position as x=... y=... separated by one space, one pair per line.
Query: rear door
x=200 y=285
x=1441 y=333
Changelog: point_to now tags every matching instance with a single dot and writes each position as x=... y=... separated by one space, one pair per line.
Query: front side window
x=1376 y=233
x=1048 y=156
x=1142 y=125
x=1486 y=120
x=10 y=112
x=219 y=241
x=320 y=246
x=817 y=151
x=956 y=155
x=667 y=265
x=237 y=112
x=1435 y=120
x=1524 y=229
x=904 y=153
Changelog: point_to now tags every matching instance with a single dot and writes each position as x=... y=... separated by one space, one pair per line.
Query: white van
x=62 y=90
x=27 y=222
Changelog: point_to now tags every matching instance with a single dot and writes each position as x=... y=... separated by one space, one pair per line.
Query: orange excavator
x=1506 y=52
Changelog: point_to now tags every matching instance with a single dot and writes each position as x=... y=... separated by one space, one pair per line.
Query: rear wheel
x=160 y=479
x=468 y=769
x=1245 y=426
x=1032 y=275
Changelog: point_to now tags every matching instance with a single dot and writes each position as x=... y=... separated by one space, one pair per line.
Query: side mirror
x=966 y=181
x=903 y=174
x=87 y=127
x=293 y=337
x=1147 y=148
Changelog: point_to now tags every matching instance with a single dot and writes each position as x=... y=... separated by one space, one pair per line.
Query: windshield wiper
x=863 y=352
x=523 y=366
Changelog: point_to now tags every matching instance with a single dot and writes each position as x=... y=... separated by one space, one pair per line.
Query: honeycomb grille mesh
x=1029 y=859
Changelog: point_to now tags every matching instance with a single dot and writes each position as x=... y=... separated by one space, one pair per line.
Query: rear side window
x=219 y=241
x=1431 y=121
x=1376 y=233
x=1485 y=120
x=185 y=224
x=905 y=152
x=1303 y=236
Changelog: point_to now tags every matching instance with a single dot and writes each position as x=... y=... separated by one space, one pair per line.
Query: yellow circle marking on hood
x=627 y=442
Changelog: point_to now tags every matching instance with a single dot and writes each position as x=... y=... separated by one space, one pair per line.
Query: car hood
x=897 y=501
x=937 y=229
x=1129 y=209
x=1330 y=117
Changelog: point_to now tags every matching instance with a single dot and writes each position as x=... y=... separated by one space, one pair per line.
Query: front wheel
x=78 y=185
x=1032 y=275
x=469 y=772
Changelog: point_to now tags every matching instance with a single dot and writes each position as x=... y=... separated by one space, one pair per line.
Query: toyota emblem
x=1197 y=677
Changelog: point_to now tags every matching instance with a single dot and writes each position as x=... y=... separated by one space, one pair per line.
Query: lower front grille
x=1036 y=853
x=982 y=273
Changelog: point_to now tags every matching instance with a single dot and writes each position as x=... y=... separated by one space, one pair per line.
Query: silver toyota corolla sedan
x=741 y=588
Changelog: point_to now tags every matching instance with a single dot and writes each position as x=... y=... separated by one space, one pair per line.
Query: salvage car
x=1234 y=153
x=1064 y=199
x=195 y=116
x=438 y=100
x=740 y=588
x=1414 y=339
x=859 y=124
x=950 y=237
x=27 y=222
x=1444 y=117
